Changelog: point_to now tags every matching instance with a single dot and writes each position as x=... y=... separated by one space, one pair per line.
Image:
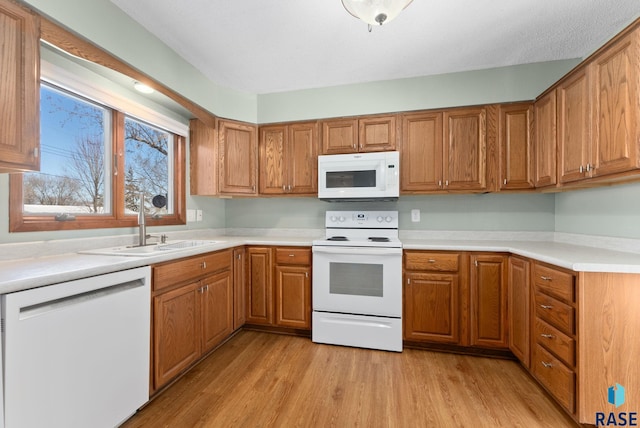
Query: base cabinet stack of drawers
x=554 y=333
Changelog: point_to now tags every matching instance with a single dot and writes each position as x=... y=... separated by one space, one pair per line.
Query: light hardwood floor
x=268 y=380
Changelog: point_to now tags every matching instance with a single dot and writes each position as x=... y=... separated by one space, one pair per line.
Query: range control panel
x=362 y=219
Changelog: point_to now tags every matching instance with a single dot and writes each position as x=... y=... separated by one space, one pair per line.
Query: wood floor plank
x=268 y=380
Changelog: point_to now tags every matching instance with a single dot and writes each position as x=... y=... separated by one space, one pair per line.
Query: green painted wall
x=606 y=211
x=483 y=212
x=505 y=84
x=104 y=24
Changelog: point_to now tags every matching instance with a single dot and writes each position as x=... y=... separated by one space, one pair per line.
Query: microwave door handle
x=358 y=250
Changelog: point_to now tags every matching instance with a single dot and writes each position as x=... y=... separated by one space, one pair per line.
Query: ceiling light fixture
x=141 y=87
x=375 y=12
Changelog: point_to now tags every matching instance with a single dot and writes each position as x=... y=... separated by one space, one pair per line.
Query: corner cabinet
x=519 y=308
x=203 y=159
x=238 y=158
x=192 y=301
x=488 y=295
x=288 y=159
x=20 y=85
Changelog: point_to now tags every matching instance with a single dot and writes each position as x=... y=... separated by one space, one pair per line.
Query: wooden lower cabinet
x=279 y=287
x=239 y=288
x=488 y=300
x=519 y=308
x=190 y=317
x=435 y=300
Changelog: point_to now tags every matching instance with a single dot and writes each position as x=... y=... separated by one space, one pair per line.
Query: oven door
x=358 y=280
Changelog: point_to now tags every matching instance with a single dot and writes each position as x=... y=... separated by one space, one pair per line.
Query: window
x=96 y=161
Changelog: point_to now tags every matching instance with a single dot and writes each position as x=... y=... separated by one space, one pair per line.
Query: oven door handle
x=374 y=251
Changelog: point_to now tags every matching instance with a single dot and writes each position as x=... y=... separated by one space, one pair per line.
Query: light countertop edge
x=17 y=275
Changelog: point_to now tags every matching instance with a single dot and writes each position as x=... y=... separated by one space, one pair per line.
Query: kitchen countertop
x=16 y=275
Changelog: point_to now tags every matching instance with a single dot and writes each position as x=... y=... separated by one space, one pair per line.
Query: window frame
x=57 y=36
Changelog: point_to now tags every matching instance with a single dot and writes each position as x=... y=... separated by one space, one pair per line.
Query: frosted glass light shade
x=375 y=12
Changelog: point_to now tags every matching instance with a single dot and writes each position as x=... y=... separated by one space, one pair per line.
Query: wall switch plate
x=191 y=215
x=199 y=215
x=415 y=216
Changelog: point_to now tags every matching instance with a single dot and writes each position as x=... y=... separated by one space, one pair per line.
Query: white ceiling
x=264 y=46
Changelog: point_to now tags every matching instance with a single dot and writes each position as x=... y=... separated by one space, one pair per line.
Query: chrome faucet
x=142 y=225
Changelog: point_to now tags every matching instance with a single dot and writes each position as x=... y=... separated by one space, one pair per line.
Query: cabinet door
x=516 y=151
x=574 y=127
x=488 y=301
x=519 y=300
x=176 y=319
x=465 y=149
x=239 y=289
x=238 y=157
x=260 y=287
x=293 y=297
x=272 y=143
x=217 y=309
x=302 y=154
x=545 y=153
x=421 y=152
x=203 y=159
x=616 y=96
x=339 y=136
x=377 y=133
x=20 y=85
x=431 y=310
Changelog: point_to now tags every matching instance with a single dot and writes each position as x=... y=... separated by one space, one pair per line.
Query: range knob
x=333 y=219
x=388 y=219
x=341 y=219
x=380 y=219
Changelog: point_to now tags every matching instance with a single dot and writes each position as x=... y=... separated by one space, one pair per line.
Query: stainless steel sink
x=150 y=250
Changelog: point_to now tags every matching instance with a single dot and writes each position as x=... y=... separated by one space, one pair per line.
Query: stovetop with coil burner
x=361 y=229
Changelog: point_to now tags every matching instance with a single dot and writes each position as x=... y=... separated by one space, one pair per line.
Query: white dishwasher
x=76 y=354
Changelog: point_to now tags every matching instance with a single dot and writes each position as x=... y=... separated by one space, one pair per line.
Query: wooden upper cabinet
x=238 y=152
x=545 y=147
x=377 y=133
x=616 y=105
x=465 y=149
x=574 y=127
x=272 y=142
x=366 y=134
x=421 y=152
x=289 y=159
x=203 y=159
x=19 y=86
x=339 y=136
x=515 y=145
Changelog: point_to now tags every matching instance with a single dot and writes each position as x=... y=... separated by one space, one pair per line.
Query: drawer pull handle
x=547 y=336
x=292 y=255
x=547 y=365
x=546 y=306
x=432 y=260
x=203 y=265
x=546 y=278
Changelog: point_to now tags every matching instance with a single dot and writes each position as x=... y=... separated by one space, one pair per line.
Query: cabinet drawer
x=555 y=313
x=169 y=274
x=553 y=282
x=293 y=256
x=555 y=376
x=563 y=346
x=441 y=262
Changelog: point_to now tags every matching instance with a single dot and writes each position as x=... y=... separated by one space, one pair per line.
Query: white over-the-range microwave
x=359 y=176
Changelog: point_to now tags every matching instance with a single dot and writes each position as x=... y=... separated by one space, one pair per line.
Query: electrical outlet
x=191 y=215
x=199 y=215
x=415 y=216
